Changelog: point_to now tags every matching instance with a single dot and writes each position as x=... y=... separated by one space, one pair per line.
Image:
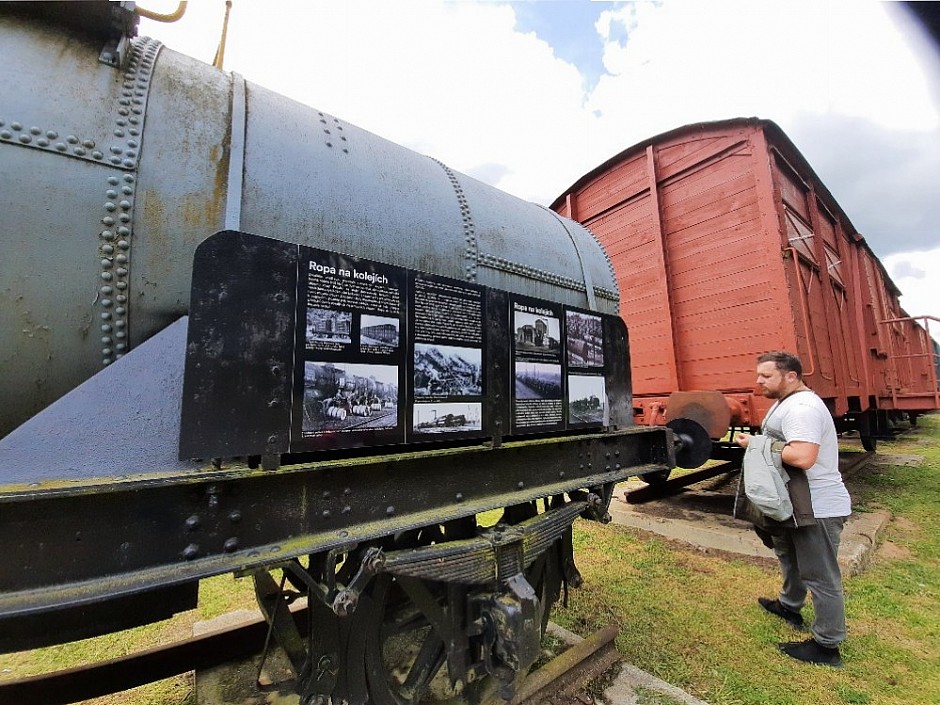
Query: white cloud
x=916 y=275
x=456 y=81
x=686 y=62
x=453 y=80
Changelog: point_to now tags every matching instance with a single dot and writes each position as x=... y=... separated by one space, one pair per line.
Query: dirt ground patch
x=888 y=550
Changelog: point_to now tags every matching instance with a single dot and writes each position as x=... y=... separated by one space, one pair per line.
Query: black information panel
x=351 y=353
x=294 y=349
x=558 y=367
x=446 y=358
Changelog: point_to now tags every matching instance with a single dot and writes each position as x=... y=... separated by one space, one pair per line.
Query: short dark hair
x=785 y=362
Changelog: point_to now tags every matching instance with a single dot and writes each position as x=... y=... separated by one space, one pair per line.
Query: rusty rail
x=114 y=675
x=565 y=674
x=676 y=484
x=570 y=670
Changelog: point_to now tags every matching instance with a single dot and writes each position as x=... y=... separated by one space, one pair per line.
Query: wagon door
x=817 y=342
x=838 y=298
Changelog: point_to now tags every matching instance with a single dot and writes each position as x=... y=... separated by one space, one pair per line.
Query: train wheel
x=406 y=658
x=867 y=428
x=693 y=445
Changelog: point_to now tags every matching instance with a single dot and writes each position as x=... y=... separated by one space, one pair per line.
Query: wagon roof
x=775 y=136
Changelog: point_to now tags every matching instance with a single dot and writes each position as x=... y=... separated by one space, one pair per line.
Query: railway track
x=586 y=418
x=555 y=681
x=563 y=677
x=114 y=675
x=849 y=462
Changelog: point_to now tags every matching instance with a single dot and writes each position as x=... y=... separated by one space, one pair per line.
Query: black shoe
x=794 y=618
x=811 y=651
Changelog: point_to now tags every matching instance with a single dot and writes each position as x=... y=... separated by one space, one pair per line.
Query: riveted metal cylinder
x=126 y=170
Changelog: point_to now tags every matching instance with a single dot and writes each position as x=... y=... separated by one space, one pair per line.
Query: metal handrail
x=932 y=356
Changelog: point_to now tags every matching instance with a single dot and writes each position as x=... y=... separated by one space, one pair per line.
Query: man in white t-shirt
x=808 y=545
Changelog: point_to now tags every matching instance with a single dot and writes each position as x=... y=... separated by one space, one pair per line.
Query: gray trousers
x=808 y=558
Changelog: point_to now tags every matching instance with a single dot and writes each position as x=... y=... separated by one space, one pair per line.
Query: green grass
x=688 y=617
x=691 y=618
x=645 y=696
x=216 y=596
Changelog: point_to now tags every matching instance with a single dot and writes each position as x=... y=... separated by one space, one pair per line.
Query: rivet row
x=50 y=140
x=118 y=205
x=469 y=229
x=333 y=123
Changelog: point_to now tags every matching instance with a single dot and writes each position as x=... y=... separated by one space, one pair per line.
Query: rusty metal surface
x=571 y=669
x=299 y=509
x=708 y=408
x=563 y=675
x=125 y=171
x=677 y=484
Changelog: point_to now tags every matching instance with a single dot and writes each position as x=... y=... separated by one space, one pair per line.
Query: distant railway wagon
x=385 y=333
x=726 y=244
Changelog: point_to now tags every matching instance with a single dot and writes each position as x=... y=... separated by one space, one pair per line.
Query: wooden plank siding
x=711 y=217
x=627 y=233
x=725 y=245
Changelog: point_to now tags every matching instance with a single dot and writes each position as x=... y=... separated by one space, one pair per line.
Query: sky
x=530 y=95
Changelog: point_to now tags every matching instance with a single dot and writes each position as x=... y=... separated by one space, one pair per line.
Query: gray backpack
x=765 y=480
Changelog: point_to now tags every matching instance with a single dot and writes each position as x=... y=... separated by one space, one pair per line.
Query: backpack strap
x=798 y=486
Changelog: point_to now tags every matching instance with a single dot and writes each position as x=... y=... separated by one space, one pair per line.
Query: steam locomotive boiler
x=212 y=304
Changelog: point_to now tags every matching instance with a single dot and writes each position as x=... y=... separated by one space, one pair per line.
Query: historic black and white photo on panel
x=587 y=399
x=584 y=339
x=446 y=370
x=447 y=417
x=327 y=325
x=537 y=380
x=341 y=396
x=534 y=332
x=378 y=331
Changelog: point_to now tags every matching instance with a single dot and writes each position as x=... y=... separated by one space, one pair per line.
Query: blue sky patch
x=568 y=27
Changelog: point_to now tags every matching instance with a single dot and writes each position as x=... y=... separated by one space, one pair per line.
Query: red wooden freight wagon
x=726 y=245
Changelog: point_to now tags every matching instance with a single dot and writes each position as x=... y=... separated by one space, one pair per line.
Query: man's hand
x=742 y=439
